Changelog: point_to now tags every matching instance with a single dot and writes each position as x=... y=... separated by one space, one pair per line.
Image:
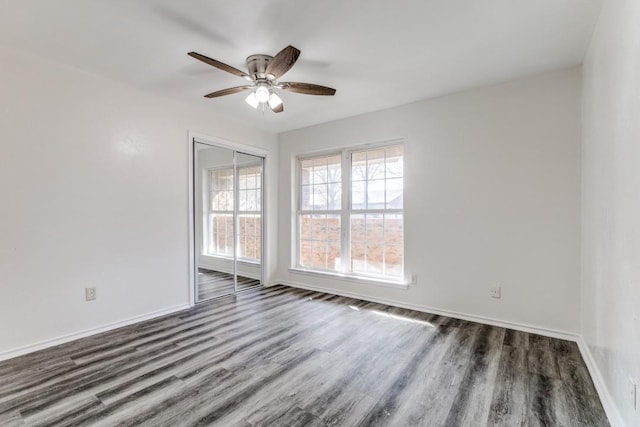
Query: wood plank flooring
x=214 y=284
x=280 y=356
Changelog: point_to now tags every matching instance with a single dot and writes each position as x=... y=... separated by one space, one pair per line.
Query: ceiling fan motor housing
x=257 y=66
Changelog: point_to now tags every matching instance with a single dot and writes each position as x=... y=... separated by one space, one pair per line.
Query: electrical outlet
x=633 y=394
x=495 y=292
x=89 y=294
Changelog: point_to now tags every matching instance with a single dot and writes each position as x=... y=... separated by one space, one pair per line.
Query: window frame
x=345 y=214
x=300 y=211
x=235 y=212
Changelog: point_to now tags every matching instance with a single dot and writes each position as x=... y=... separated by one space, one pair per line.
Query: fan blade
x=278 y=109
x=307 y=88
x=228 y=91
x=283 y=61
x=220 y=65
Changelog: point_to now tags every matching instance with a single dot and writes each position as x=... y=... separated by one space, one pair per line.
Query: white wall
x=492 y=197
x=94 y=185
x=611 y=201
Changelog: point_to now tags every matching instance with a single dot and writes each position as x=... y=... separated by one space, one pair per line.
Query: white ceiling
x=376 y=53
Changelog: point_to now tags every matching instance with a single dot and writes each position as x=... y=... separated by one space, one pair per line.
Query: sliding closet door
x=228 y=221
x=248 y=220
x=214 y=187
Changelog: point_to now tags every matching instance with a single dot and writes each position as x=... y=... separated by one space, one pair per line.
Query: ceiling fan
x=264 y=72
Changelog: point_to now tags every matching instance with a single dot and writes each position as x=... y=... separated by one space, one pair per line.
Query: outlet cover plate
x=89 y=294
x=495 y=292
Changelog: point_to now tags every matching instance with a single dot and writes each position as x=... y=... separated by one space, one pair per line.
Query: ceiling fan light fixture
x=264 y=72
x=252 y=100
x=274 y=101
x=262 y=94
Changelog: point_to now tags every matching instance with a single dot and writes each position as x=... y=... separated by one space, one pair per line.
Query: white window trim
x=345 y=214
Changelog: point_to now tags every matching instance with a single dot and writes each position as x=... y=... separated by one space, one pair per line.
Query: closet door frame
x=194 y=138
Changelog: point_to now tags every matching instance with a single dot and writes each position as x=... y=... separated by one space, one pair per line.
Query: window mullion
x=345 y=219
x=298 y=219
x=236 y=218
x=377 y=211
x=321 y=212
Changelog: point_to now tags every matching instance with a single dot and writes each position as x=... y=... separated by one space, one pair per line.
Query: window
x=220 y=215
x=221 y=209
x=350 y=212
x=321 y=211
x=249 y=217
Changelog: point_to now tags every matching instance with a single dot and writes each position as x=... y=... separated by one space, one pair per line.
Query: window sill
x=352 y=278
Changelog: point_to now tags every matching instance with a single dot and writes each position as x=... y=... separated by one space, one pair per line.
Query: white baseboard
x=10 y=354
x=615 y=419
x=456 y=315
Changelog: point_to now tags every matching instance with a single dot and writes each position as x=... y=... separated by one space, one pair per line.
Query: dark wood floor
x=284 y=357
x=213 y=284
